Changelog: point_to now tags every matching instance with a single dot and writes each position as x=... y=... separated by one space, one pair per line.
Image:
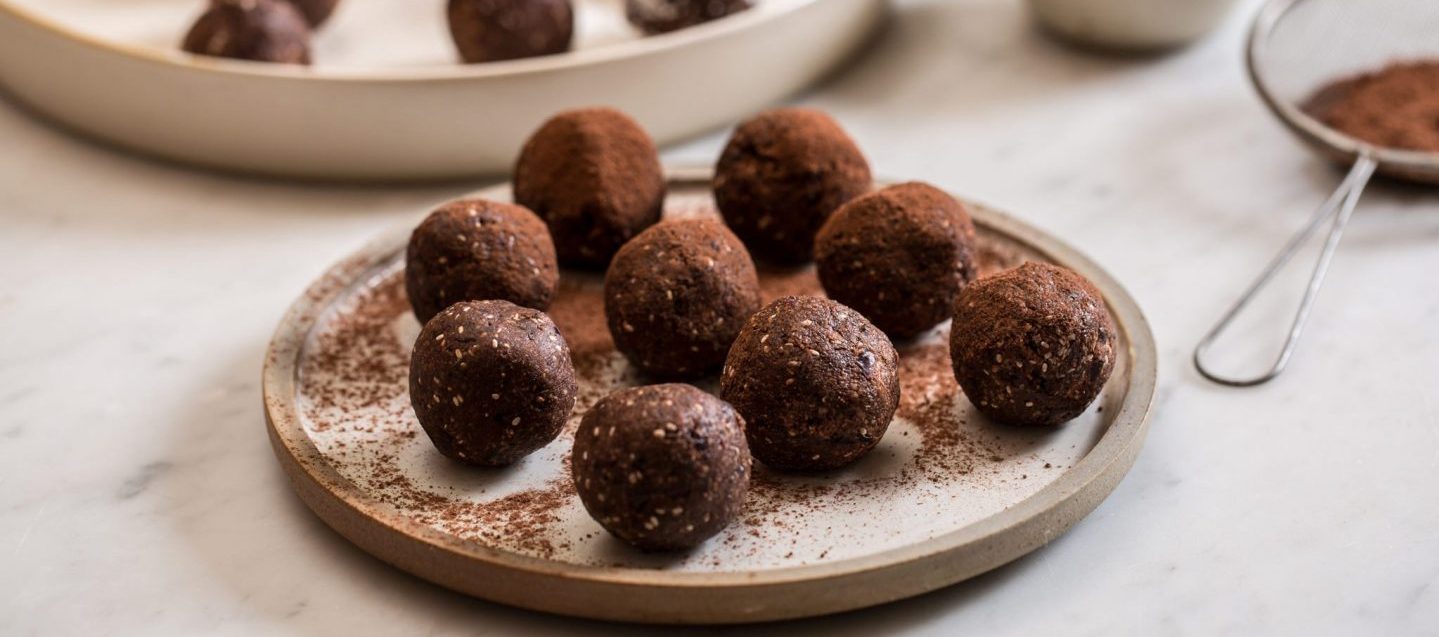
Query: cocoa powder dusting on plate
x=362 y=365
x=354 y=403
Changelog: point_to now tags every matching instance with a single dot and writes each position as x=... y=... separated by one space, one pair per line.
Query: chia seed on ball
x=1033 y=345
x=661 y=467
x=494 y=30
x=594 y=176
x=491 y=382
x=662 y=16
x=781 y=176
x=898 y=256
x=816 y=383
x=256 y=30
x=475 y=249
x=677 y=295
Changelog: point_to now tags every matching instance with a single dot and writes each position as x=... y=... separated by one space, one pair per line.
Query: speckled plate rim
x=652 y=596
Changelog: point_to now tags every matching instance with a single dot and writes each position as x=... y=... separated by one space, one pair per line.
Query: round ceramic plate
x=386 y=98
x=945 y=496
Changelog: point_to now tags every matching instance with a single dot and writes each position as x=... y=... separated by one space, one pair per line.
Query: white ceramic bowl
x=1131 y=24
x=357 y=119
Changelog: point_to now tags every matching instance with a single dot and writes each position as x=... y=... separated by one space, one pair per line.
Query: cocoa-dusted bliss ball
x=782 y=174
x=898 y=256
x=662 y=467
x=257 y=30
x=594 y=176
x=816 y=383
x=315 y=12
x=493 y=30
x=1032 y=345
x=662 y=16
x=677 y=295
x=474 y=250
x=491 y=381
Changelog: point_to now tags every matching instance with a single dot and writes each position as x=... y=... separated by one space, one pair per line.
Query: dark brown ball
x=662 y=467
x=594 y=176
x=493 y=30
x=661 y=16
x=258 y=30
x=781 y=176
x=677 y=295
x=898 y=256
x=475 y=249
x=491 y=382
x=1032 y=345
x=816 y=383
x=316 y=12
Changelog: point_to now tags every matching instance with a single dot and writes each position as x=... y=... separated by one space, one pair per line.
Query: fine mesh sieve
x=1297 y=47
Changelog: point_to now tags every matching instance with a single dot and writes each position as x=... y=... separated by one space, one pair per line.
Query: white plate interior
x=362 y=34
x=939 y=468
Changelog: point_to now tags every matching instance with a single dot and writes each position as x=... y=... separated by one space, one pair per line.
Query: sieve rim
x=1408 y=164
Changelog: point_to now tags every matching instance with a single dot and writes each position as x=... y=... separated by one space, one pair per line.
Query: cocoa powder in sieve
x=1394 y=107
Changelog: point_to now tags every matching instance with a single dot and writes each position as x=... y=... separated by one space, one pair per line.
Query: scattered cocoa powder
x=352 y=384
x=362 y=363
x=1394 y=107
x=777 y=281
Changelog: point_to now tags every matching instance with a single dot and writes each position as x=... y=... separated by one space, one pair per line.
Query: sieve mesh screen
x=1300 y=46
x=1316 y=42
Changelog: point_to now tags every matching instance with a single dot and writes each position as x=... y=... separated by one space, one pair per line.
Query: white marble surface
x=138 y=494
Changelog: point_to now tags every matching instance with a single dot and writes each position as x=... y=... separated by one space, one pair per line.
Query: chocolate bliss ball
x=316 y=12
x=493 y=30
x=782 y=175
x=1032 y=345
x=816 y=383
x=662 y=467
x=594 y=176
x=898 y=256
x=661 y=16
x=473 y=250
x=257 y=30
x=677 y=295
x=491 y=381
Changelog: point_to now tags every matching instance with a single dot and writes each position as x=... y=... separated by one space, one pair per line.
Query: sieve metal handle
x=1339 y=207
